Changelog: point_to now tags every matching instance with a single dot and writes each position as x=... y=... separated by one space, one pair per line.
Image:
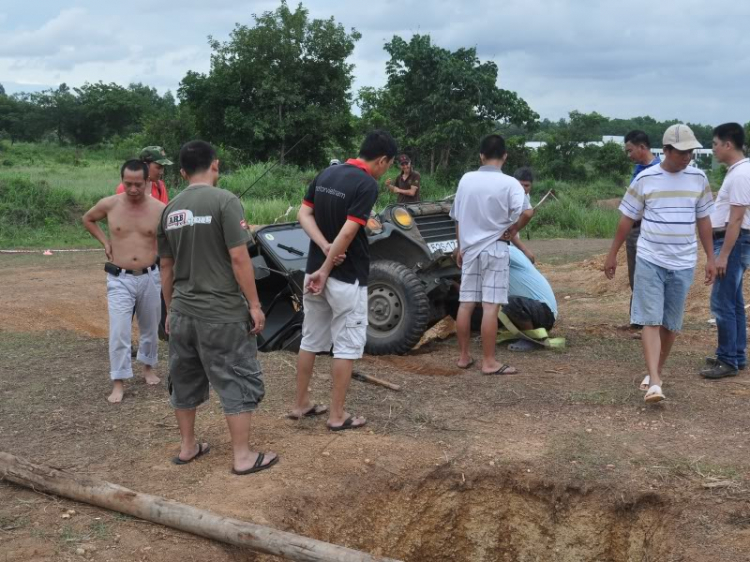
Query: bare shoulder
x=110 y=202
x=156 y=204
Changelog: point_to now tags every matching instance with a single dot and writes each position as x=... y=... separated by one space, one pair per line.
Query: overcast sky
x=685 y=59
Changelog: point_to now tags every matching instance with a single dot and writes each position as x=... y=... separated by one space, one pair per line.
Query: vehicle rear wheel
x=398 y=309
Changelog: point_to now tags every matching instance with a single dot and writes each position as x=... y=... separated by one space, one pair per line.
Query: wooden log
x=361 y=377
x=176 y=515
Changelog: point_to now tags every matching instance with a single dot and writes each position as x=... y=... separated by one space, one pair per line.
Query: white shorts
x=336 y=318
x=486 y=277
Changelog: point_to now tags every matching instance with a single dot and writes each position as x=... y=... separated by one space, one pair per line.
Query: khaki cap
x=681 y=137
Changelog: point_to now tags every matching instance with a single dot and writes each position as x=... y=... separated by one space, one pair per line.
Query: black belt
x=117 y=270
x=140 y=271
x=637 y=224
x=720 y=234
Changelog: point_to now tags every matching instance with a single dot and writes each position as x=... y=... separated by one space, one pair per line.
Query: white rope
x=50 y=251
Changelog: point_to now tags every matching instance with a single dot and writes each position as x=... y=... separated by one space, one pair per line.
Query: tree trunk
x=432 y=161
x=176 y=515
x=283 y=146
x=445 y=157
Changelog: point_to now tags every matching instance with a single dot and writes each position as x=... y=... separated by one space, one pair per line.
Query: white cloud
x=683 y=60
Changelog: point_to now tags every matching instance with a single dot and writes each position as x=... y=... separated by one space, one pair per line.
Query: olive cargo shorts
x=223 y=355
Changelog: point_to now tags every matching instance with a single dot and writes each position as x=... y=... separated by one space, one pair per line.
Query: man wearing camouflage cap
x=156 y=158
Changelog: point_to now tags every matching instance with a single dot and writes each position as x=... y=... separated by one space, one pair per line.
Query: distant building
x=535 y=145
x=703 y=153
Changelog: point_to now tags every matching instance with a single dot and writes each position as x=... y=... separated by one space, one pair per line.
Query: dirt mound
x=452 y=518
x=587 y=276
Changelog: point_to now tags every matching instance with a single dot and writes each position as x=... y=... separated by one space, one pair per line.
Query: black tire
x=398 y=309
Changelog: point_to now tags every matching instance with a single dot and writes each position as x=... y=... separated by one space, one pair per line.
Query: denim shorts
x=659 y=295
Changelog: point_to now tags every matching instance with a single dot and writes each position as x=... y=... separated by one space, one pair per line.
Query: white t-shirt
x=734 y=192
x=487 y=203
x=669 y=206
x=526 y=202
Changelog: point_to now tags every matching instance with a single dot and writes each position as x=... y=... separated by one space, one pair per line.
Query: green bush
x=609 y=161
x=568 y=218
x=282 y=182
x=45 y=192
x=35 y=205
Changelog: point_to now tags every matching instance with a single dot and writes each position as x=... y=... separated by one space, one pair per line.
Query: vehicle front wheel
x=398 y=309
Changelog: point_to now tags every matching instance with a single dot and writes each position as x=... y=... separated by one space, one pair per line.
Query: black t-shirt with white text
x=337 y=194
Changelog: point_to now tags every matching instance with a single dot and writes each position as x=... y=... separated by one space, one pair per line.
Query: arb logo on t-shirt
x=179 y=219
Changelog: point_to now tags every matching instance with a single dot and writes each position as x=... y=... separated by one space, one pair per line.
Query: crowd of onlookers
x=193 y=250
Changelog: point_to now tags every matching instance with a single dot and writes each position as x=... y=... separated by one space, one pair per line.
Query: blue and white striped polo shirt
x=669 y=206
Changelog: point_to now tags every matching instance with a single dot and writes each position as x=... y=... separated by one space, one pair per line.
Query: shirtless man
x=132 y=275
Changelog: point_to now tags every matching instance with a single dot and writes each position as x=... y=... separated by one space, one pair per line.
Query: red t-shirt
x=158 y=191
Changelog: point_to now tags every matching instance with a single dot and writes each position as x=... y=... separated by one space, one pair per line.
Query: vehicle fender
x=396 y=245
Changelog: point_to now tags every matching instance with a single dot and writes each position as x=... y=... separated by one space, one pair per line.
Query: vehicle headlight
x=374 y=225
x=402 y=217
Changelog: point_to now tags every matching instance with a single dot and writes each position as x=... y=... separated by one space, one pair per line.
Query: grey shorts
x=222 y=355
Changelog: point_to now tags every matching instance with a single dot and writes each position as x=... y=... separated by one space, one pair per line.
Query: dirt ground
x=562 y=462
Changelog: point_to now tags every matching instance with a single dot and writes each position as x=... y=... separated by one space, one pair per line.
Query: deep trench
x=491 y=520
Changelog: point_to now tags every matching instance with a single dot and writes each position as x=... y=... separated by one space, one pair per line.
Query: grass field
x=44 y=189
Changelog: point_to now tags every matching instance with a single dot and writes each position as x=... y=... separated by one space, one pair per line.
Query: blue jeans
x=728 y=304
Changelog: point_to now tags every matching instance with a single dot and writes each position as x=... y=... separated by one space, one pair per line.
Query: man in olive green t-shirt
x=213 y=311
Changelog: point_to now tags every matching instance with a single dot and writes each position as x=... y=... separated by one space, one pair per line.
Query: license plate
x=446 y=246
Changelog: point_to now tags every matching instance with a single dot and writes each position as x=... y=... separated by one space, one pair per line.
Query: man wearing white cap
x=669 y=199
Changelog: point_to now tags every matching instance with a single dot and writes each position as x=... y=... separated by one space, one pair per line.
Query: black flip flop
x=258 y=466
x=348 y=424
x=200 y=453
x=502 y=371
x=469 y=365
x=316 y=410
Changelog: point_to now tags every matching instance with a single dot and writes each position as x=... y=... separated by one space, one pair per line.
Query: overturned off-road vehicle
x=413 y=277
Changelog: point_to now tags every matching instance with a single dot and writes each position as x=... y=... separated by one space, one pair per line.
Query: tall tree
x=272 y=83
x=60 y=109
x=440 y=102
x=105 y=110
